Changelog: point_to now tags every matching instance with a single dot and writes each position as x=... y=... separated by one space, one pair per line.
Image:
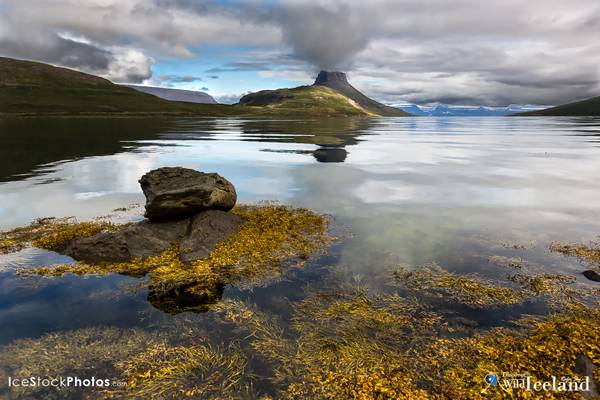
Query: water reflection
x=32 y=147
x=410 y=190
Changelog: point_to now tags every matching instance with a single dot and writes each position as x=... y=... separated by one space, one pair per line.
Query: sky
x=461 y=52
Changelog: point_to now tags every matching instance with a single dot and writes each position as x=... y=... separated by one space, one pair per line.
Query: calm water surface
x=407 y=191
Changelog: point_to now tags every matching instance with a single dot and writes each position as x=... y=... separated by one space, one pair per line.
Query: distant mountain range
x=445 y=110
x=190 y=96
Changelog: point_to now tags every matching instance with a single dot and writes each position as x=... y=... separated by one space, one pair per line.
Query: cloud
x=180 y=78
x=118 y=39
x=240 y=66
x=461 y=51
x=326 y=34
x=118 y=64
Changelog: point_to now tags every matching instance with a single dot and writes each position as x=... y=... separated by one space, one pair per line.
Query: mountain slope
x=339 y=82
x=312 y=100
x=589 y=107
x=32 y=88
x=190 y=96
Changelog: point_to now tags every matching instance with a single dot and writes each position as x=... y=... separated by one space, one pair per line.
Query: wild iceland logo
x=510 y=382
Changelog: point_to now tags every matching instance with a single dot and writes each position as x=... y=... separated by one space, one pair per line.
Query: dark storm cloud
x=326 y=35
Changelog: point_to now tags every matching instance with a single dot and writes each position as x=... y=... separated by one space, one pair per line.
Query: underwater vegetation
x=471 y=290
x=588 y=253
x=424 y=334
x=344 y=341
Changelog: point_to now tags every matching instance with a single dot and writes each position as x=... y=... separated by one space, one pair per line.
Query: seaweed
x=471 y=290
x=51 y=233
x=587 y=253
x=354 y=345
x=192 y=371
x=344 y=341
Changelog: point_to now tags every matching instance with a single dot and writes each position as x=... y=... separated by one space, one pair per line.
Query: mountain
x=313 y=100
x=190 y=96
x=32 y=88
x=412 y=109
x=445 y=110
x=331 y=94
x=589 y=107
x=339 y=82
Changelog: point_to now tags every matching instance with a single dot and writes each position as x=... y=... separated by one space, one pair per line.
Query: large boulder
x=139 y=240
x=206 y=230
x=197 y=236
x=175 y=192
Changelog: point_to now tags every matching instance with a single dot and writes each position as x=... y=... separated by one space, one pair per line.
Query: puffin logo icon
x=490 y=380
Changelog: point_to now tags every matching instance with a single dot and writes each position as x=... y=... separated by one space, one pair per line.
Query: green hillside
x=32 y=88
x=589 y=107
x=313 y=100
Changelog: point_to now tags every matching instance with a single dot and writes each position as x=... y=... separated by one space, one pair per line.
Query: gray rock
x=175 y=192
x=109 y=247
x=197 y=236
x=206 y=230
x=592 y=275
x=143 y=239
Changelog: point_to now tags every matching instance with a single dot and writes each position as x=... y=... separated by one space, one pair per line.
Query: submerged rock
x=592 y=275
x=179 y=299
x=175 y=192
x=197 y=237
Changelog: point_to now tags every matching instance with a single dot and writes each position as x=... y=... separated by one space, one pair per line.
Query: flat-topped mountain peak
x=339 y=81
x=329 y=77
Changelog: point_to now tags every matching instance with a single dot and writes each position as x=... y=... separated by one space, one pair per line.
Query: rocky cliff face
x=338 y=81
x=330 y=79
